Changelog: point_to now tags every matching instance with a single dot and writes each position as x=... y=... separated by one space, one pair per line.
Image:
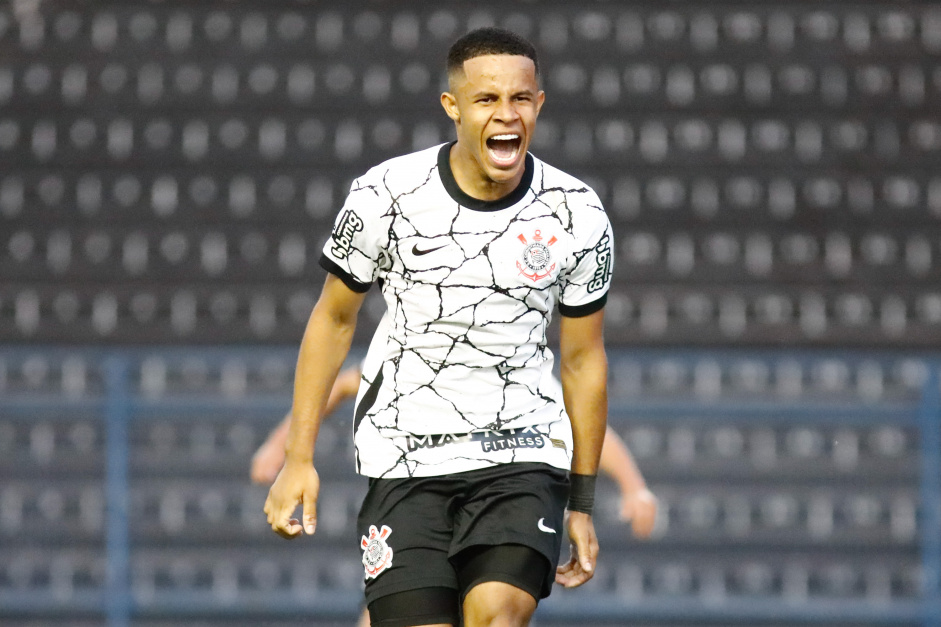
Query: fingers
x=586 y=543
x=641 y=510
x=564 y=573
x=280 y=519
x=293 y=487
x=310 y=514
x=581 y=565
x=643 y=522
x=572 y=574
x=587 y=555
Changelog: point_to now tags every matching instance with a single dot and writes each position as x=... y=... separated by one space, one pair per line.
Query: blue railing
x=120 y=402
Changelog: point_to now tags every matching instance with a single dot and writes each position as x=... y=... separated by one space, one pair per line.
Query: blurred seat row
x=294 y=196
x=286 y=84
x=247 y=253
x=697 y=447
x=663 y=137
x=222 y=579
x=793 y=579
x=653 y=313
x=213 y=514
x=855 y=29
x=872 y=316
x=635 y=374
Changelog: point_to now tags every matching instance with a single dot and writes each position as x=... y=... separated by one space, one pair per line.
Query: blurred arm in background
x=268 y=459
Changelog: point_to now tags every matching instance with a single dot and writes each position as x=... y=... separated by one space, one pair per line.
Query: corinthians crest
x=537 y=258
x=377 y=554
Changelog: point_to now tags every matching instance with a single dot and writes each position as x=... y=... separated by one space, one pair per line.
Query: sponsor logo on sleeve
x=377 y=554
x=603 y=271
x=343 y=234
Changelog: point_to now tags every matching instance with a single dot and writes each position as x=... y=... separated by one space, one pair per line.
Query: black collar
x=463 y=199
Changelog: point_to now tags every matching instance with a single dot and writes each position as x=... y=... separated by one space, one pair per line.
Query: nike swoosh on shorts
x=542 y=526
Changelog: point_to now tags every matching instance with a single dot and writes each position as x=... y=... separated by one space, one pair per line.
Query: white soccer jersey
x=459 y=377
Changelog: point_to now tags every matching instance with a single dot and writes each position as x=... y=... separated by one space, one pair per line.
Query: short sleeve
x=355 y=246
x=584 y=289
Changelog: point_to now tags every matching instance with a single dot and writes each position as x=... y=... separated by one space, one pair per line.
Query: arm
x=324 y=347
x=584 y=373
x=638 y=504
x=268 y=459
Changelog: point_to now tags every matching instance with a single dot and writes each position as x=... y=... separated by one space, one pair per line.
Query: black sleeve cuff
x=580 y=311
x=330 y=266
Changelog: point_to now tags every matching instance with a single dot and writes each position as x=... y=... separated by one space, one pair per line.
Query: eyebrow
x=485 y=92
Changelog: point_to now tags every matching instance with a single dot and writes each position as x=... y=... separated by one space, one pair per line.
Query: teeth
x=505 y=137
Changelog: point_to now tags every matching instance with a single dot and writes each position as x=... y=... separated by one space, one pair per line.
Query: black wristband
x=581 y=493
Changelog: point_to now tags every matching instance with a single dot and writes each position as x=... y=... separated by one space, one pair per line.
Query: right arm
x=326 y=343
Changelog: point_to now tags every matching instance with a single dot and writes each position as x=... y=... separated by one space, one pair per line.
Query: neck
x=474 y=182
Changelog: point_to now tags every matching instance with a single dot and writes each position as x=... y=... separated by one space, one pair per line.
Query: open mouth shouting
x=504 y=150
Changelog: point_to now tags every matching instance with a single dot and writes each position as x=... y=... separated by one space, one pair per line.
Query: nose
x=506 y=111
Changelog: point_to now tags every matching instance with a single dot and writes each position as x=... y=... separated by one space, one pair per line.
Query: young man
x=463 y=431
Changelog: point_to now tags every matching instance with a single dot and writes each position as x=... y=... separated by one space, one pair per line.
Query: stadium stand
x=169 y=171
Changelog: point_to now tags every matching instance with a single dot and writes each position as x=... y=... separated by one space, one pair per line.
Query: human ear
x=449 y=102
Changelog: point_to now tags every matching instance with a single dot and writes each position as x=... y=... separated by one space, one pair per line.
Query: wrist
x=294 y=455
x=633 y=489
x=581 y=493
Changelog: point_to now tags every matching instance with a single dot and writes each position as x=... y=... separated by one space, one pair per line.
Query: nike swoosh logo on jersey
x=542 y=526
x=419 y=253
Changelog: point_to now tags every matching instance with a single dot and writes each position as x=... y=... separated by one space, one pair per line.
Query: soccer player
x=473 y=450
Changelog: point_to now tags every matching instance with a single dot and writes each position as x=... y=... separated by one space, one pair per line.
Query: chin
x=503 y=175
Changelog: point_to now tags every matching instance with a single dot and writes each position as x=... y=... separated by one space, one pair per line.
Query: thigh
x=407 y=532
x=518 y=504
x=521 y=567
x=424 y=606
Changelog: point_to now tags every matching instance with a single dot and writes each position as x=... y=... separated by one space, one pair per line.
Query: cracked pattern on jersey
x=466 y=371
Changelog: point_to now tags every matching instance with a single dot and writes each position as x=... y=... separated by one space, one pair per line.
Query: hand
x=267 y=462
x=296 y=484
x=640 y=509
x=581 y=565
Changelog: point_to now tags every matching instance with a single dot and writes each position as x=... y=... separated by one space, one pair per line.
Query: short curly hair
x=489 y=40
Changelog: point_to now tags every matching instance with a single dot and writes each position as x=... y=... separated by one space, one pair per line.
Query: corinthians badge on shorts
x=377 y=555
x=536 y=257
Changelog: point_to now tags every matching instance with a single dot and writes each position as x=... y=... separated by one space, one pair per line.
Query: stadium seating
x=785 y=480
x=764 y=152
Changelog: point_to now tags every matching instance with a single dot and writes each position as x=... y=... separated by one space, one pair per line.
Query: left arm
x=584 y=373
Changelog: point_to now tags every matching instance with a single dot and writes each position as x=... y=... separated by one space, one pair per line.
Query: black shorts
x=417 y=531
